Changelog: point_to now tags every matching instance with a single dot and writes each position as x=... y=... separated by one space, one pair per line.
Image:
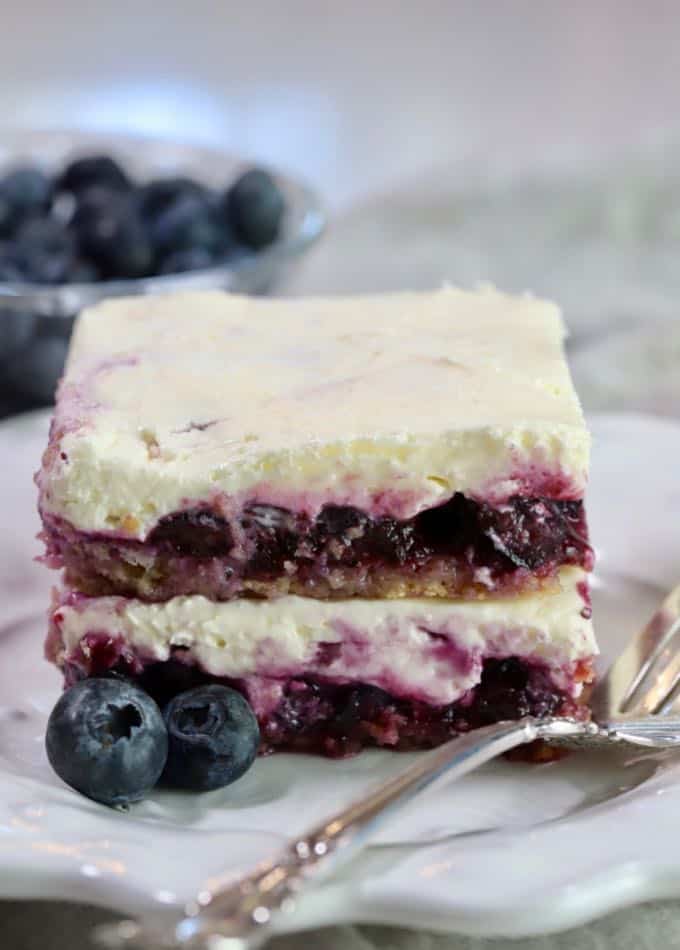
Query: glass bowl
x=36 y=320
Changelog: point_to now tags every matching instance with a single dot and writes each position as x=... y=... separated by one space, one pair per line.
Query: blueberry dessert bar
x=364 y=513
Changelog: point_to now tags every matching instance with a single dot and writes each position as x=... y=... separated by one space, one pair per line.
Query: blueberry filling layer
x=339 y=719
x=461 y=548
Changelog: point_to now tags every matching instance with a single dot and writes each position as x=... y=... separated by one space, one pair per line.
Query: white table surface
x=374 y=103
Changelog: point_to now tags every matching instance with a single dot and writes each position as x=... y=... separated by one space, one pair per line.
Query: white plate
x=513 y=850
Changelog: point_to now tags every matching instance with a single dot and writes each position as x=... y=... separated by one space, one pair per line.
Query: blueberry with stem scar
x=213 y=737
x=106 y=738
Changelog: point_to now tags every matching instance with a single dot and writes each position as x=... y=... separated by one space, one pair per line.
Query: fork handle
x=241 y=913
x=244 y=910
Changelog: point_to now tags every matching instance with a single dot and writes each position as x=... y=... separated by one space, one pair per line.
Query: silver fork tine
x=622 y=690
x=663 y=675
x=672 y=706
x=653 y=641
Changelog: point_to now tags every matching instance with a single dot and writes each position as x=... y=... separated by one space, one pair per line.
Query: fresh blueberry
x=43 y=251
x=10 y=272
x=254 y=206
x=156 y=196
x=83 y=271
x=110 y=232
x=63 y=207
x=24 y=191
x=106 y=738
x=28 y=188
x=8 y=218
x=91 y=170
x=213 y=738
x=191 y=258
x=190 y=221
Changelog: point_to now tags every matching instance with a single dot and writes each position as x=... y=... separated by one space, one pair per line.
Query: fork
x=637 y=702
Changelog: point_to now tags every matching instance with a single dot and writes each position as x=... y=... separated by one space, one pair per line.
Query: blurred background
x=358 y=98
x=534 y=145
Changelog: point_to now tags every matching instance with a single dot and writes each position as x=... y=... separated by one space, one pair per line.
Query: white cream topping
x=390 y=403
x=429 y=648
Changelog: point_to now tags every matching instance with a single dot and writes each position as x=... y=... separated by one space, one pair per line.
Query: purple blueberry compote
x=463 y=548
x=339 y=719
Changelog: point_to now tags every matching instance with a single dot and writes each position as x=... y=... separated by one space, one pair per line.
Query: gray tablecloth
x=33 y=926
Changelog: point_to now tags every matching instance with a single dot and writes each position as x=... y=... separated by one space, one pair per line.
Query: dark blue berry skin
x=90 y=171
x=44 y=251
x=93 y=223
x=191 y=258
x=24 y=191
x=82 y=272
x=106 y=739
x=110 y=232
x=28 y=189
x=190 y=221
x=10 y=272
x=7 y=215
x=213 y=738
x=156 y=196
x=254 y=207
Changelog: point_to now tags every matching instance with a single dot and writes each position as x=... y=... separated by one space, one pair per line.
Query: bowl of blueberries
x=85 y=216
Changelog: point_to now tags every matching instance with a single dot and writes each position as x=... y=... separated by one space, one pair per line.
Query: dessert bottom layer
x=463 y=548
x=339 y=719
x=332 y=676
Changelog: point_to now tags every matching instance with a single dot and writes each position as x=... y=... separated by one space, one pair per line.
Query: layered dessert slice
x=299 y=497
x=332 y=676
x=394 y=446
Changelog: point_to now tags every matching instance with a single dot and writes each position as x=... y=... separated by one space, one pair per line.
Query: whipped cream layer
x=387 y=403
x=431 y=650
